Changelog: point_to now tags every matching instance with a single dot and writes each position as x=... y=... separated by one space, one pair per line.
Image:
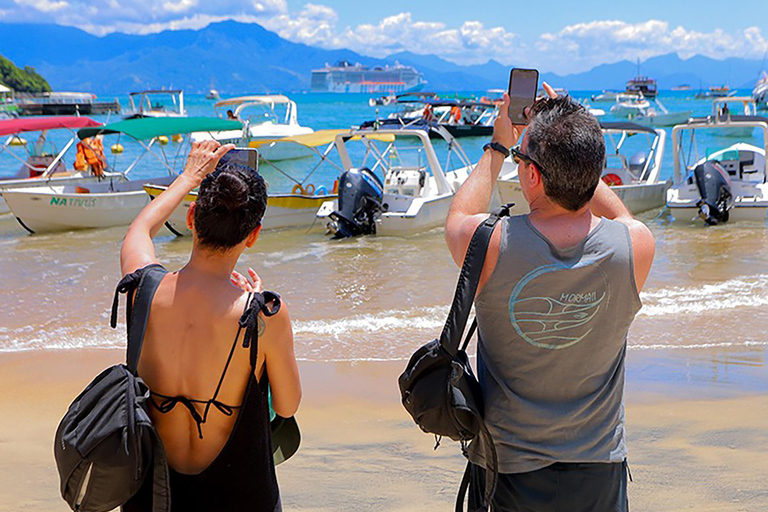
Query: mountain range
x=240 y=58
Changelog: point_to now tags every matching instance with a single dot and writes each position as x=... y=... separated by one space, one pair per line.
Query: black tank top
x=242 y=476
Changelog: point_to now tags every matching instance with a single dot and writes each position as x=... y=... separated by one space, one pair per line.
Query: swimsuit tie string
x=250 y=317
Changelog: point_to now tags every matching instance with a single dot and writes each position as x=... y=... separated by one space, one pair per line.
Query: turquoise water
x=379 y=298
x=331 y=111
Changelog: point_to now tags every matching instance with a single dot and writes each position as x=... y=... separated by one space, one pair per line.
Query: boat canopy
x=625 y=126
x=731 y=119
x=320 y=138
x=266 y=99
x=36 y=124
x=157 y=91
x=149 y=127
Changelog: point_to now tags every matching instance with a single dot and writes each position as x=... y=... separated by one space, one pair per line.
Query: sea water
x=379 y=298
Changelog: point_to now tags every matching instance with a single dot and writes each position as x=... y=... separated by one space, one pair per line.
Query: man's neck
x=562 y=227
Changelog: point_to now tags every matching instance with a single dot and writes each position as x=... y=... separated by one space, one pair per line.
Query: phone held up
x=523 y=84
x=249 y=157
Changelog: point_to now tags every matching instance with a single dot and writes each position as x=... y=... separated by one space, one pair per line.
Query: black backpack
x=106 y=445
x=438 y=388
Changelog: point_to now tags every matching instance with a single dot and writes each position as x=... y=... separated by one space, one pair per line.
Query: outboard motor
x=715 y=190
x=637 y=163
x=360 y=196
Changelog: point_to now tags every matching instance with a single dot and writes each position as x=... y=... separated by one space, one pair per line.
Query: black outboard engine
x=360 y=196
x=715 y=190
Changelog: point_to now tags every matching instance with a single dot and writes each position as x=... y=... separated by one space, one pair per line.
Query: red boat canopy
x=36 y=124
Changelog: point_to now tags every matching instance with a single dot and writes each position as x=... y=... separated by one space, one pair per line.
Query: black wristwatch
x=496 y=147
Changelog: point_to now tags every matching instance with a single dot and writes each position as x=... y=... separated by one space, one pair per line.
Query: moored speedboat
x=42 y=164
x=111 y=202
x=657 y=116
x=414 y=194
x=262 y=118
x=633 y=164
x=156 y=103
x=725 y=184
x=294 y=209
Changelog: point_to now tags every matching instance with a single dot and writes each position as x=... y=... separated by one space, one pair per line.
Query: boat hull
x=638 y=198
x=47 y=209
x=283 y=210
x=47 y=182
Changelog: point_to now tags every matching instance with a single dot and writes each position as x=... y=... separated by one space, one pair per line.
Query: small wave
x=719 y=344
x=419 y=318
x=731 y=294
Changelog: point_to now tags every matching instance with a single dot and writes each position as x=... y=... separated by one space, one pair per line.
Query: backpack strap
x=140 y=286
x=469 y=278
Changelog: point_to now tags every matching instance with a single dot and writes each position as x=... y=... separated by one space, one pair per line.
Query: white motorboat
x=724 y=108
x=633 y=164
x=156 y=103
x=263 y=118
x=613 y=96
x=657 y=116
x=212 y=94
x=629 y=107
x=111 y=202
x=415 y=193
x=40 y=163
x=724 y=184
x=296 y=209
x=760 y=92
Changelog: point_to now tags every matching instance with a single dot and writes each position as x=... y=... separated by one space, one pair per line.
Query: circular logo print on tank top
x=555 y=306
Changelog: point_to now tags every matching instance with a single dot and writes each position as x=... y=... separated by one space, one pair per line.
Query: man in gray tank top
x=557 y=295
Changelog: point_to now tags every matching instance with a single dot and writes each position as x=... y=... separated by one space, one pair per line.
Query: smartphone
x=523 y=84
x=248 y=157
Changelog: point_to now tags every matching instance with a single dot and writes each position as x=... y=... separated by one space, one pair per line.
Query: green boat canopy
x=150 y=127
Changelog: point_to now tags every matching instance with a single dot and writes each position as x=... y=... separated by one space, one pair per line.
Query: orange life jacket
x=90 y=152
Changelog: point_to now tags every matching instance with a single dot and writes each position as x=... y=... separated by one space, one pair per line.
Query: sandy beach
x=692 y=449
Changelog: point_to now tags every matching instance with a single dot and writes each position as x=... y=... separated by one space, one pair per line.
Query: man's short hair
x=567 y=141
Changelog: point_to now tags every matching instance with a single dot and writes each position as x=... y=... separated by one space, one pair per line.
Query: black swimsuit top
x=242 y=476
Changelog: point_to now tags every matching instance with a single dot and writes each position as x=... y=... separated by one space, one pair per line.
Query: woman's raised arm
x=138 y=250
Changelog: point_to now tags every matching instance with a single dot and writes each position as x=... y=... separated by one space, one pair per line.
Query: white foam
x=692 y=300
x=419 y=318
x=693 y=346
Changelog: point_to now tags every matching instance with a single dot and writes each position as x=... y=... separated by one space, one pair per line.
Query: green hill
x=21 y=80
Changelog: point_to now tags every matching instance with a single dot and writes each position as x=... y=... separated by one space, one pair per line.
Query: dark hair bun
x=230 y=205
x=230 y=191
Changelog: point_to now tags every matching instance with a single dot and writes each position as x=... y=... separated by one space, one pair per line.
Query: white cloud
x=47 y=6
x=574 y=48
x=470 y=43
x=584 y=45
x=179 y=5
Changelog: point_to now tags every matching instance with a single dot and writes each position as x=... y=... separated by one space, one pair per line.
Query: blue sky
x=558 y=36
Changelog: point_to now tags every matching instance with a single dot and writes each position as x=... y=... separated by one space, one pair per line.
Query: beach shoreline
x=704 y=451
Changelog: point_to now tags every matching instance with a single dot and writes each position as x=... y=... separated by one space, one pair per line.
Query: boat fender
x=321 y=191
x=612 y=180
x=309 y=189
x=297 y=189
x=116 y=148
x=163 y=139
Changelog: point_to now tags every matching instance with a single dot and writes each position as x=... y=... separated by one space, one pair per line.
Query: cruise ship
x=347 y=77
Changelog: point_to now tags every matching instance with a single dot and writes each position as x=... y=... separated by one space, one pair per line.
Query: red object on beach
x=36 y=124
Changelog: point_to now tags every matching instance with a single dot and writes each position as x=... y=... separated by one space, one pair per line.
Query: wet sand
x=696 y=447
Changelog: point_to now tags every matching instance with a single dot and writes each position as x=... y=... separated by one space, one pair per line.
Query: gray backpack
x=106 y=445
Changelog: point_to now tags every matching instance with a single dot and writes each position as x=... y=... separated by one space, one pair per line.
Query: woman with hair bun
x=209 y=397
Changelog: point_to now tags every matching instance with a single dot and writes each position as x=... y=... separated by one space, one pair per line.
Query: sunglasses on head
x=519 y=156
